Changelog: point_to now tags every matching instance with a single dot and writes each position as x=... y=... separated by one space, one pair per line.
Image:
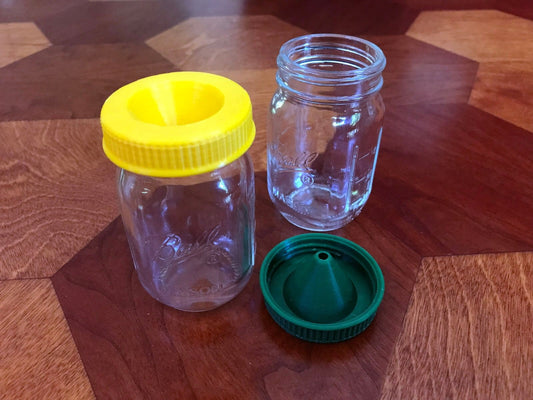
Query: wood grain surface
x=57 y=193
x=503 y=82
x=39 y=358
x=224 y=43
x=447 y=182
x=520 y=8
x=504 y=89
x=385 y=17
x=29 y=10
x=467 y=334
x=111 y=21
x=454 y=177
x=64 y=82
x=418 y=73
x=461 y=32
x=134 y=347
x=19 y=40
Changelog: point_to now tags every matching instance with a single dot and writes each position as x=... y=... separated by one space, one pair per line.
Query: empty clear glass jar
x=185 y=184
x=325 y=128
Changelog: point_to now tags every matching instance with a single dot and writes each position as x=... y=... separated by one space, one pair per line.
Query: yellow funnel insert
x=177 y=124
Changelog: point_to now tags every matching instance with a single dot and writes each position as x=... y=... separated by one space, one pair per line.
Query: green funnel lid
x=320 y=287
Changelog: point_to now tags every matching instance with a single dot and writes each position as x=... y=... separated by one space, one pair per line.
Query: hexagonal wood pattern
x=449 y=220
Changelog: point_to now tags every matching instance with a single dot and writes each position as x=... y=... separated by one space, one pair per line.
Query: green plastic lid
x=321 y=288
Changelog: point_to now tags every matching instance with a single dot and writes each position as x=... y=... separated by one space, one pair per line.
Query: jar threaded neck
x=330 y=68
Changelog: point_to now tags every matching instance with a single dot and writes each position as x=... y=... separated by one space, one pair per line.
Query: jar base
x=200 y=303
x=317 y=226
x=316 y=207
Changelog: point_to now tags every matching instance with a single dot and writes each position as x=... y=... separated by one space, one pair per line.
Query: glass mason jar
x=185 y=185
x=325 y=128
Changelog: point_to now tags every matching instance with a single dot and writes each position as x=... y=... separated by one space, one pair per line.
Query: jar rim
x=351 y=44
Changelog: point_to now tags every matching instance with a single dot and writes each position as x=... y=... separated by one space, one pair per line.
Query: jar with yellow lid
x=185 y=184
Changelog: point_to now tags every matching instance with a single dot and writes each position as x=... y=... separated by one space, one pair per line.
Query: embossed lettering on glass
x=325 y=128
x=192 y=238
x=185 y=184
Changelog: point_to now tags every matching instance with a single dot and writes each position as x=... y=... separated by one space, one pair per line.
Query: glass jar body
x=321 y=160
x=191 y=238
x=323 y=137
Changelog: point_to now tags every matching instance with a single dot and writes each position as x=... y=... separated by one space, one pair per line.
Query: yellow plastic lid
x=177 y=124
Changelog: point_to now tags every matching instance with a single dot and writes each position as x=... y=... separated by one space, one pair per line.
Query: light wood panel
x=482 y=35
x=39 y=359
x=222 y=43
x=505 y=89
x=502 y=43
x=467 y=333
x=19 y=40
x=58 y=191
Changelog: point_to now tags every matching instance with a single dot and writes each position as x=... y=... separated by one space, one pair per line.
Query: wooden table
x=450 y=218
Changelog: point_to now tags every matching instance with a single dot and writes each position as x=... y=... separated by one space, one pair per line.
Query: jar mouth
x=331 y=57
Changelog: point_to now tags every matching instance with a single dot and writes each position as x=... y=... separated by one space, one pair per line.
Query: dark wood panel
x=448 y=4
x=29 y=10
x=358 y=17
x=111 y=21
x=522 y=8
x=119 y=21
x=452 y=179
x=73 y=81
x=418 y=73
x=134 y=347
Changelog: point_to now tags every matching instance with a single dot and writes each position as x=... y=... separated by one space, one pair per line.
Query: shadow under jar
x=325 y=127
